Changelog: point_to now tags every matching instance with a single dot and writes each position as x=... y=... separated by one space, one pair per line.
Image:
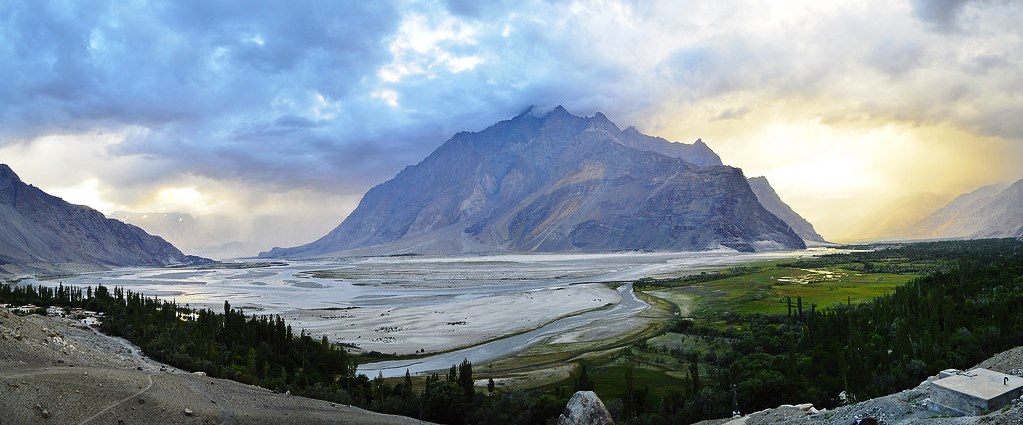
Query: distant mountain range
x=43 y=233
x=215 y=236
x=992 y=211
x=556 y=182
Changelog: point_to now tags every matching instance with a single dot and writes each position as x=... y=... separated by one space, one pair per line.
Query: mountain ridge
x=772 y=202
x=990 y=211
x=556 y=183
x=44 y=233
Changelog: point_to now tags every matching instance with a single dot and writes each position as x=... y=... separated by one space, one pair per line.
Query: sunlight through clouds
x=848 y=108
x=426 y=45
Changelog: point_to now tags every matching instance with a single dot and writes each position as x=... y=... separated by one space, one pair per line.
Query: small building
x=974 y=392
x=25 y=309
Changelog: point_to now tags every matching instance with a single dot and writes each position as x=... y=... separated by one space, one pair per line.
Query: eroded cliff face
x=40 y=232
x=556 y=183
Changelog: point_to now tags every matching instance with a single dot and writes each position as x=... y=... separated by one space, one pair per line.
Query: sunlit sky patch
x=280 y=116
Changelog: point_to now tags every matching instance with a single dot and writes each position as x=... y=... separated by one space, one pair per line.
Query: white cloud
x=247 y=102
x=428 y=44
x=387 y=95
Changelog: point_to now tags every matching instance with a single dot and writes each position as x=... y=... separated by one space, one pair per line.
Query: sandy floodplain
x=452 y=323
x=421 y=305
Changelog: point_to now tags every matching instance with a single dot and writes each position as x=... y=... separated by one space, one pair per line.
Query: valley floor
x=483 y=308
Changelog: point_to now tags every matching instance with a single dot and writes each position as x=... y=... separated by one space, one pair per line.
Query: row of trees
x=263 y=350
x=260 y=350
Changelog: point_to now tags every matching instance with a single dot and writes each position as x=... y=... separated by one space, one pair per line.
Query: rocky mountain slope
x=988 y=212
x=43 y=233
x=698 y=153
x=773 y=203
x=552 y=183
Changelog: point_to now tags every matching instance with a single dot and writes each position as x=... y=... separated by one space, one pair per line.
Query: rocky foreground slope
x=43 y=233
x=902 y=408
x=556 y=182
x=56 y=371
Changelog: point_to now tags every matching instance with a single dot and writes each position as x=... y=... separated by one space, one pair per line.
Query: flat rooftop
x=981 y=383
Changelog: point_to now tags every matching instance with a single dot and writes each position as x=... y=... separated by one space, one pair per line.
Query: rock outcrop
x=773 y=203
x=585 y=408
x=557 y=183
x=43 y=233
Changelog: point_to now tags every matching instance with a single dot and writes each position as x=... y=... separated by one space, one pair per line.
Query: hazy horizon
x=275 y=120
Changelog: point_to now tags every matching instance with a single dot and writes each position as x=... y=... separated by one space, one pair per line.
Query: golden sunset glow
x=864 y=116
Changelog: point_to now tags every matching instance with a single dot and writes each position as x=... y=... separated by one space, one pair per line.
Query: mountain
x=891 y=220
x=965 y=216
x=557 y=182
x=773 y=203
x=698 y=153
x=989 y=212
x=210 y=236
x=222 y=236
x=43 y=233
x=1003 y=215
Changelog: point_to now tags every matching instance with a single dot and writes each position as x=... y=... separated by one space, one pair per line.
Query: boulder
x=585 y=408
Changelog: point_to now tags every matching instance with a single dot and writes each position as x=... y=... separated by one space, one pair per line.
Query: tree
x=407 y=390
x=452 y=374
x=583 y=382
x=465 y=379
x=630 y=390
x=694 y=374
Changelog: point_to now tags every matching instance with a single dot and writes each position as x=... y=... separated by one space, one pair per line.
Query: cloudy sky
x=278 y=116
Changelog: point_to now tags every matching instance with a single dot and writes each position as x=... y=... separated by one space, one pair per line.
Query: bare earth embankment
x=57 y=371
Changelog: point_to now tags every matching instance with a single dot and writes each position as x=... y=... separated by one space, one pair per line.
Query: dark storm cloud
x=338 y=96
x=939 y=15
x=212 y=80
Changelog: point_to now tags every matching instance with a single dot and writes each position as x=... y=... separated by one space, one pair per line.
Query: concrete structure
x=948 y=372
x=973 y=392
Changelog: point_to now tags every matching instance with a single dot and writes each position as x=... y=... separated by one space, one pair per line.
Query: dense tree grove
x=965 y=310
x=951 y=318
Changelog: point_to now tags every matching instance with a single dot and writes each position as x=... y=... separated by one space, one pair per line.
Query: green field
x=767 y=289
x=757 y=288
x=609 y=379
